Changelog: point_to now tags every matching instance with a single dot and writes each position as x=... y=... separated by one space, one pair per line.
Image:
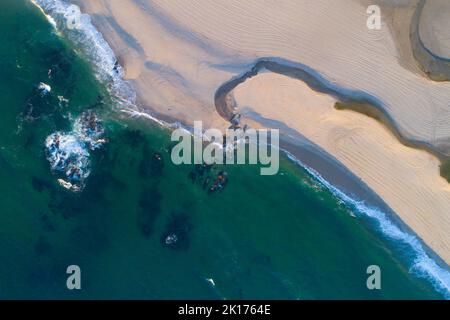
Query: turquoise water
x=280 y=237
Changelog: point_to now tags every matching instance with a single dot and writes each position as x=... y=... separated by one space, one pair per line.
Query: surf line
x=425 y=262
x=104 y=58
x=229 y=148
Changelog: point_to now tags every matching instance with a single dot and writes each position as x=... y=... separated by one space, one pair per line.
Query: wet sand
x=176 y=56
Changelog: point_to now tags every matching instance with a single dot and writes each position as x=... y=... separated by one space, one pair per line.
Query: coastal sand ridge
x=184 y=51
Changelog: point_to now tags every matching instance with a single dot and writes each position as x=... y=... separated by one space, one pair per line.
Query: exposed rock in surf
x=68 y=156
x=177 y=232
x=90 y=130
x=171 y=239
x=44 y=88
x=68 y=153
x=219 y=183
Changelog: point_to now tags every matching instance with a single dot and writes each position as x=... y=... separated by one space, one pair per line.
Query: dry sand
x=177 y=53
x=407 y=179
x=181 y=51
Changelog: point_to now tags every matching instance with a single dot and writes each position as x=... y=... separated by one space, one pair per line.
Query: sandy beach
x=407 y=179
x=178 y=53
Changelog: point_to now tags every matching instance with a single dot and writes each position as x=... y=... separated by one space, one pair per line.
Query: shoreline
x=357 y=101
x=333 y=171
x=345 y=186
x=334 y=176
x=350 y=189
x=141 y=103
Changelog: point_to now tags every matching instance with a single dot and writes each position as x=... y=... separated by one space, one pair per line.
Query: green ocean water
x=278 y=237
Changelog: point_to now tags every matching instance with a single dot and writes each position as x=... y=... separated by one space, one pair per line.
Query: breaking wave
x=68 y=153
x=107 y=69
x=420 y=262
x=92 y=44
x=68 y=156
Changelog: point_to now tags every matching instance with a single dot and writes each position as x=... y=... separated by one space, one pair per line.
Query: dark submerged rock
x=150 y=209
x=177 y=233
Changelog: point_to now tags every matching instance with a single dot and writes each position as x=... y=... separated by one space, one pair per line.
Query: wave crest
x=93 y=45
x=421 y=263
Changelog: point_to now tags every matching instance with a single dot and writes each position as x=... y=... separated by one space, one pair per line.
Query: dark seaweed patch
x=67 y=204
x=40 y=275
x=42 y=246
x=200 y=174
x=134 y=137
x=41 y=185
x=30 y=141
x=150 y=209
x=177 y=232
x=100 y=181
x=99 y=103
x=60 y=63
x=192 y=176
x=89 y=238
x=152 y=163
x=47 y=223
x=262 y=259
x=37 y=106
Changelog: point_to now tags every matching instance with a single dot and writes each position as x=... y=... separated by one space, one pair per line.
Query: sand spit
x=178 y=53
x=407 y=179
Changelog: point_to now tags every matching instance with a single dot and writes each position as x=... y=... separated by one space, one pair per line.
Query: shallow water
x=283 y=236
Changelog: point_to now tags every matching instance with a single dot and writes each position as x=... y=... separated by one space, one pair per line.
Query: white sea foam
x=421 y=263
x=139 y=114
x=89 y=128
x=45 y=88
x=104 y=60
x=211 y=281
x=49 y=17
x=67 y=154
x=92 y=44
x=98 y=51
